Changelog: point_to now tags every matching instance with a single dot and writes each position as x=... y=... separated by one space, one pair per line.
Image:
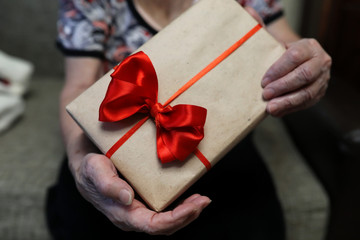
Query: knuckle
x=305 y=74
x=91 y=163
x=285 y=105
x=295 y=55
x=288 y=103
x=313 y=42
x=314 y=47
x=286 y=85
x=307 y=96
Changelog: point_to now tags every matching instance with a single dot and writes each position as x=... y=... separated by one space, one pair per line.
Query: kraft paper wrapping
x=231 y=93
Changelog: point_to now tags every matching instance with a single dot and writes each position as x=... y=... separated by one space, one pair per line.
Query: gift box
x=213 y=56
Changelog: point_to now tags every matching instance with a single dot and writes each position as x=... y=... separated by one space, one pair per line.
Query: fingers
x=105 y=179
x=301 y=76
x=100 y=184
x=296 y=54
x=298 y=79
x=191 y=207
x=296 y=101
x=166 y=223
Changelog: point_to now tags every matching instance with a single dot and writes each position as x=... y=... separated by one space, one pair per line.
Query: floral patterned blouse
x=113 y=29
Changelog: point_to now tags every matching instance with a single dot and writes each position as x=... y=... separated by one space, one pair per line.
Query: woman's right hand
x=98 y=182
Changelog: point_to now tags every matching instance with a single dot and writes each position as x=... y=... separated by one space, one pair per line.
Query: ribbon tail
x=163 y=152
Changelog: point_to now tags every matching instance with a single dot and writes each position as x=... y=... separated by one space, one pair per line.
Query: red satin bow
x=134 y=89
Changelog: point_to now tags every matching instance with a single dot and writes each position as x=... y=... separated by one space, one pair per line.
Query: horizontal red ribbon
x=115 y=106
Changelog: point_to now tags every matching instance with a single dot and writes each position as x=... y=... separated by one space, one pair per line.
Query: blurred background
x=322 y=203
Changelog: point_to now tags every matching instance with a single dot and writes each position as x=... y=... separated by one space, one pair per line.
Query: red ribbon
x=179 y=128
x=134 y=89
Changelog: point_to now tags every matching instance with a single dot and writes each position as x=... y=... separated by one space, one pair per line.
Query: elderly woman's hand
x=99 y=183
x=298 y=79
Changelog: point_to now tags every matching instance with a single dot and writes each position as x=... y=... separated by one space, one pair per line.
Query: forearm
x=281 y=31
x=75 y=142
x=79 y=75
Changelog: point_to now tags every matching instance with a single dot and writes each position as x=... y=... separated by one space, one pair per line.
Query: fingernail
x=125 y=197
x=268 y=93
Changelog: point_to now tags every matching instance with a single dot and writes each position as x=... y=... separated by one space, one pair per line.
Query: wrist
x=77 y=149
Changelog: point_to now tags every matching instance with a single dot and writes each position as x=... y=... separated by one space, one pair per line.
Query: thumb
x=255 y=15
x=108 y=183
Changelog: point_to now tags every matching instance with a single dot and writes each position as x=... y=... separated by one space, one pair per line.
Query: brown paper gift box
x=231 y=93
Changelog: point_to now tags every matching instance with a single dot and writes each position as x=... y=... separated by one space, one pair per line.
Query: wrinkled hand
x=298 y=80
x=99 y=183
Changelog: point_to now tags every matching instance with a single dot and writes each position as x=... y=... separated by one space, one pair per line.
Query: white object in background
x=15 y=74
x=11 y=107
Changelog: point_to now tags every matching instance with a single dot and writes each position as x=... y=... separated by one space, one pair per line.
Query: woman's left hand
x=298 y=80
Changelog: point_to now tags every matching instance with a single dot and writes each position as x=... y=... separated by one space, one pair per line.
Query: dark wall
x=28 y=31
